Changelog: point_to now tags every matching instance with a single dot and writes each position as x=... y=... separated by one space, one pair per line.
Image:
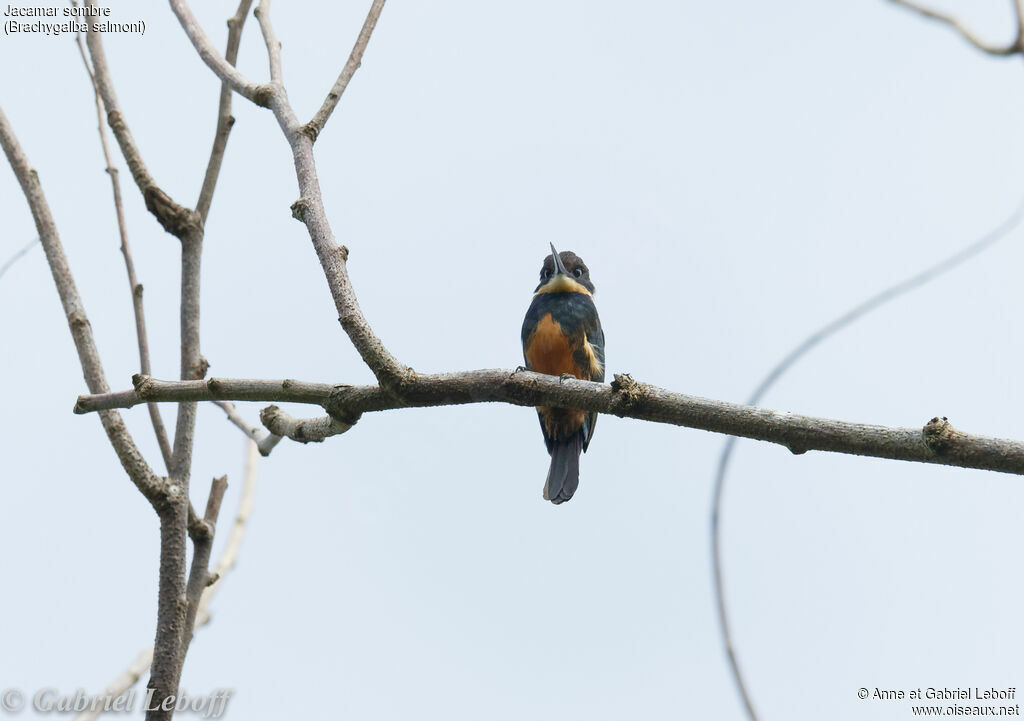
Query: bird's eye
x=578 y=272
x=545 y=274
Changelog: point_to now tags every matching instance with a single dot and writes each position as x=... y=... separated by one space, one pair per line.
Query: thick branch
x=1011 y=49
x=192 y=364
x=624 y=397
x=172 y=608
x=355 y=59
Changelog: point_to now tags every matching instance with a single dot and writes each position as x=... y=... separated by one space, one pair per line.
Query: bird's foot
x=519 y=369
x=565 y=377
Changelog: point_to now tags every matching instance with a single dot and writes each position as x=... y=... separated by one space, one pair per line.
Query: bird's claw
x=519 y=369
x=565 y=377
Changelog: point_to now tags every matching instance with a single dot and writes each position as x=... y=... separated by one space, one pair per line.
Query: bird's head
x=564 y=272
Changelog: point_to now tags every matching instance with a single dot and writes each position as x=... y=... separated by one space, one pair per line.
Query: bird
x=562 y=336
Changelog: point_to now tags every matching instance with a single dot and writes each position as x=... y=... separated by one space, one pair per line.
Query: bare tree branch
x=937 y=443
x=265 y=442
x=1011 y=49
x=809 y=343
x=309 y=208
x=136 y=288
x=225 y=70
x=225 y=563
x=273 y=45
x=303 y=430
x=152 y=487
x=176 y=515
x=175 y=219
x=225 y=121
x=355 y=59
x=230 y=553
x=199 y=576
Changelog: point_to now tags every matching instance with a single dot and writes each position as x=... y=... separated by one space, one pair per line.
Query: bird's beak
x=559 y=267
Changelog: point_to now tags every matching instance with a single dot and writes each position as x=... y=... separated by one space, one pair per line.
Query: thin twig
x=355 y=59
x=273 y=44
x=134 y=286
x=225 y=121
x=624 y=397
x=811 y=342
x=265 y=441
x=17 y=255
x=128 y=453
x=1011 y=49
x=128 y=678
x=199 y=577
x=229 y=555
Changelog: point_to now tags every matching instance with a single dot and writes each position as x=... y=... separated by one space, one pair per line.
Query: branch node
x=308 y=430
x=142 y=384
x=628 y=392
x=78 y=320
x=175 y=219
x=339 y=409
x=299 y=208
x=939 y=435
x=343 y=415
x=202 y=531
x=264 y=95
x=200 y=367
x=399 y=383
x=310 y=131
x=216 y=387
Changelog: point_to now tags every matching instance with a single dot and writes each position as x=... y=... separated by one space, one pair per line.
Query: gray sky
x=734 y=174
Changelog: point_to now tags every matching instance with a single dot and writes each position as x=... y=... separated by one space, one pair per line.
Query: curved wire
x=809 y=343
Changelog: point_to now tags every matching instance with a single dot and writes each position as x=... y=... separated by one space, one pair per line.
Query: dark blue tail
x=564 y=473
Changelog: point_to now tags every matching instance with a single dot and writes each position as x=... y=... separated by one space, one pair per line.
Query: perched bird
x=562 y=335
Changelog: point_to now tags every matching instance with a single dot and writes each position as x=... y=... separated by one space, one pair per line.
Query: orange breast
x=549 y=350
